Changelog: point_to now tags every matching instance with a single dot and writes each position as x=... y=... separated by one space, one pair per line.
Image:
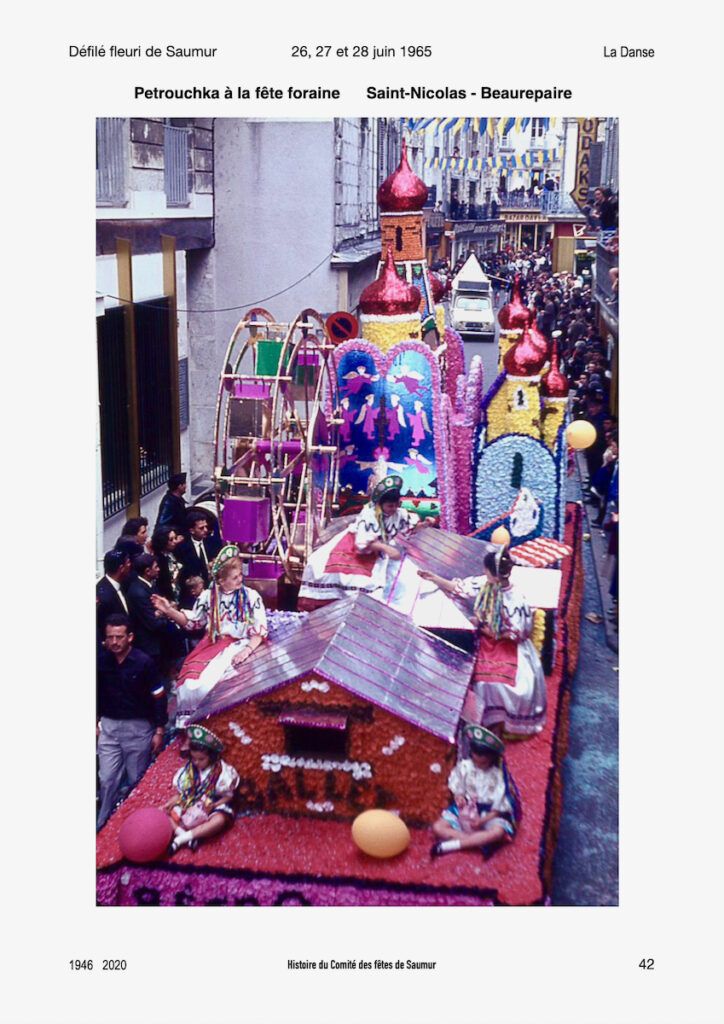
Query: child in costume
x=508 y=686
x=485 y=809
x=235 y=620
x=361 y=558
x=205 y=786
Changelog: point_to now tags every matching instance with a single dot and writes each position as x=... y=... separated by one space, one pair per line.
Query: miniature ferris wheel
x=276 y=451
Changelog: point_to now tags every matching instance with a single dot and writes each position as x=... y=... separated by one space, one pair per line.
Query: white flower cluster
x=322 y=808
x=394 y=744
x=275 y=763
x=312 y=684
x=241 y=735
x=435 y=768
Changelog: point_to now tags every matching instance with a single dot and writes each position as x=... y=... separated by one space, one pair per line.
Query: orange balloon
x=500 y=536
x=380 y=833
x=580 y=434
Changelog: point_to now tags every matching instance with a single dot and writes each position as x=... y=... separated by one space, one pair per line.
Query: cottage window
x=316 y=735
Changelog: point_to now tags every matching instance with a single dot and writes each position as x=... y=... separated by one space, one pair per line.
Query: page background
x=511 y=965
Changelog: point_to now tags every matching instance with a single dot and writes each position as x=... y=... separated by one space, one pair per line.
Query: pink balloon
x=145 y=835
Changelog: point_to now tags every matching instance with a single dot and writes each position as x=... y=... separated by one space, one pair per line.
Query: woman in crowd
x=164 y=542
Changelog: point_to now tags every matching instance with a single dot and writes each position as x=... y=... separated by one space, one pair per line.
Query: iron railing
x=112 y=394
x=153 y=378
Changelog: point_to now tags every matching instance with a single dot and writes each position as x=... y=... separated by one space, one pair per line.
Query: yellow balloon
x=500 y=536
x=380 y=833
x=580 y=434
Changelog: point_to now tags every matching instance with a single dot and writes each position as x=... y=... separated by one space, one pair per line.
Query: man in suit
x=148 y=628
x=110 y=598
x=198 y=550
x=172 y=510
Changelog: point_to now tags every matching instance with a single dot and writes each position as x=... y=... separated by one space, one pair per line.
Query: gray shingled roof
x=447 y=554
x=369 y=650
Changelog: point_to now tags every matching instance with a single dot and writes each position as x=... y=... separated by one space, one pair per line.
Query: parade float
x=356 y=706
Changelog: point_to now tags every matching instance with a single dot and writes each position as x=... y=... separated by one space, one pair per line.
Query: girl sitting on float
x=485 y=809
x=508 y=689
x=360 y=559
x=235 y=619
x=203 y=805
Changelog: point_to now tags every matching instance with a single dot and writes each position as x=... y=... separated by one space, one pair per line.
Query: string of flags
x=533 y=158
x=479 y=125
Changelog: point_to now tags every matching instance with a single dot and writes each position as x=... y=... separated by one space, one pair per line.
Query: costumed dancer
x=361 y=558
x=485 y=808
x=508 y=687
x=235 y=620
x=203 y=804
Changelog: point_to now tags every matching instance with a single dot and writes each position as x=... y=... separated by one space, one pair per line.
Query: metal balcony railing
x=606 y=260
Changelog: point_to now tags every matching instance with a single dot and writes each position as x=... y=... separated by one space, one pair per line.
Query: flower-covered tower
x=401 y=198
x=516 y=408
x=520 y=448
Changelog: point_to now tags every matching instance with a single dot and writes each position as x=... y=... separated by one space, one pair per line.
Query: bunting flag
x=478 y=125
x=535 y=158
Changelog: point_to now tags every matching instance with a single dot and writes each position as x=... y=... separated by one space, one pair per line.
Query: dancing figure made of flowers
x=508 y=690
x=362 y=557
x=203 y=805
x=235 y=622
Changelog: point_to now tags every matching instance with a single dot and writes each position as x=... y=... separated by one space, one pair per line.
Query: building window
x=176 y=164
x=111 y=160
x=398 y=239
x=537 y=131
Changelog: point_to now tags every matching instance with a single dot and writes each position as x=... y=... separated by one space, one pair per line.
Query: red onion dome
x=438 y=288
x=554 y=384
x=389 y=294
x=515 y=315
x=524 y=358
x=403 y=190
x=539 y=340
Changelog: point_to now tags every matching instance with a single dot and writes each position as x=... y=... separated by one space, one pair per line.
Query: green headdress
x=483 y=740
x=204 y=737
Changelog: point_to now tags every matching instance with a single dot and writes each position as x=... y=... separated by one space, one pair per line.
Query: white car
x=473 y=314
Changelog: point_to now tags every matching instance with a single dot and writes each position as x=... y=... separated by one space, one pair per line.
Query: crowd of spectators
x=139 y=650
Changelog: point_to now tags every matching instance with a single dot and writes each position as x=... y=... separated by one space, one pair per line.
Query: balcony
x=472 y=211
x=558 y=202
x=519 y=201
x=434 y=218
x=606 y=261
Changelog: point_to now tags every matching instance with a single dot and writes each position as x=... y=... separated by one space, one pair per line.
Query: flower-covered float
x=357 y=705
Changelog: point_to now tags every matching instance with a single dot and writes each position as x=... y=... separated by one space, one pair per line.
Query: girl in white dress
x=360 y=559
x=508 y=688
x=235 y=620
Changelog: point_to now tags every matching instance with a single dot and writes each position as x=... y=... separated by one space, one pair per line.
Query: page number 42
x=647 y=964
